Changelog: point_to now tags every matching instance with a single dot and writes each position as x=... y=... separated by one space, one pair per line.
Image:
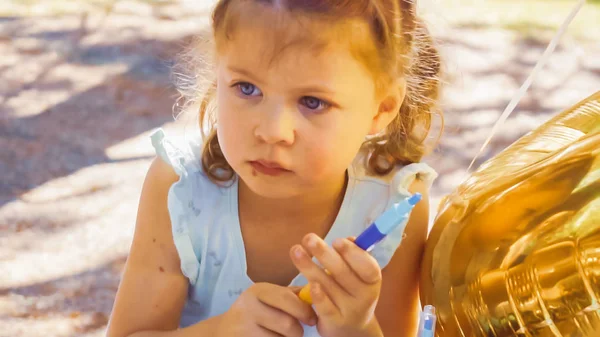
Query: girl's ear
x=389 y=106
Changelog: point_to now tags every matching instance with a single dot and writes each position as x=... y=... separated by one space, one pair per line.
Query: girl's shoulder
x=397 y=182
x=183 y=156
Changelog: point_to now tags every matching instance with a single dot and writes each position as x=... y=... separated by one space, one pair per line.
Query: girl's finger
x=287 y=301
x=277 y=322
x=295 y=289
x=315 y=274
x=335 y=265
x=361 y=262
x=324 y=307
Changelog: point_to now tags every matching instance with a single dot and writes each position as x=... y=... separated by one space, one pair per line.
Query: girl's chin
x=271 y=188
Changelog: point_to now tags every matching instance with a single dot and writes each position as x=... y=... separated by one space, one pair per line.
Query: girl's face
x=292 y=124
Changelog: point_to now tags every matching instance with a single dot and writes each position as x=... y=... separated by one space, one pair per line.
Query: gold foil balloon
x=515 y=249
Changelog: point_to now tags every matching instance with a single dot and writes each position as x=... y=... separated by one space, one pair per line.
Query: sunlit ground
x=530 y=17
x=83 y=83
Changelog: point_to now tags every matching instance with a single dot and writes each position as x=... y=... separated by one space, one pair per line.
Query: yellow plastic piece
x=305 y=294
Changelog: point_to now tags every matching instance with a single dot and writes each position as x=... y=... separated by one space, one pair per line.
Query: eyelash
x=322 y=103
x=239 y=89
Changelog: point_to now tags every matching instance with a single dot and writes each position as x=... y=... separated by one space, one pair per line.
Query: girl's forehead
x=270 y=48
x=291 y=64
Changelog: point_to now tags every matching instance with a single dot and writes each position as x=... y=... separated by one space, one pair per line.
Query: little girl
x=320 y=109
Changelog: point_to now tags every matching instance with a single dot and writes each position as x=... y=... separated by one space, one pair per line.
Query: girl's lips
x=268 y=168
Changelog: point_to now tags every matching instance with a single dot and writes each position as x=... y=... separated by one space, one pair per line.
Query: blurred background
x=83 y=83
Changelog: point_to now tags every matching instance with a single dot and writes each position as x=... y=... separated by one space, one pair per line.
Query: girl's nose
x=276 y=126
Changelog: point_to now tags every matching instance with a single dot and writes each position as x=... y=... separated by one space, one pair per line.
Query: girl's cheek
x=324 y=160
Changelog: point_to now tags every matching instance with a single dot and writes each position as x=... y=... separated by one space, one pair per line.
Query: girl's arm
x=153 y=290
x=398 y=307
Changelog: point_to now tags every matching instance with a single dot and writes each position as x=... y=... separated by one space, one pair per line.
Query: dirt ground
x=80 y=93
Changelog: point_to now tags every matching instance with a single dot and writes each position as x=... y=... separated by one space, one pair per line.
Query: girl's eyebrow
x=245 y=73
x=316 y=88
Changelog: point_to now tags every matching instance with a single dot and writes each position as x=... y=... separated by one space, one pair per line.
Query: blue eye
x=314 y=103
x=248 y=89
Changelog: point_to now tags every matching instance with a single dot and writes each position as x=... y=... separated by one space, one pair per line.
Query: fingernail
x=338 y=243
x=298 y=252
x=312 y=242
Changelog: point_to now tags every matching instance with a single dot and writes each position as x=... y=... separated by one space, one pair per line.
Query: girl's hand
x=266 y=309
x=345 y=296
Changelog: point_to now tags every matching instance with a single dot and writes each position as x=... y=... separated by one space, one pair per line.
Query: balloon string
x=515 y=100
